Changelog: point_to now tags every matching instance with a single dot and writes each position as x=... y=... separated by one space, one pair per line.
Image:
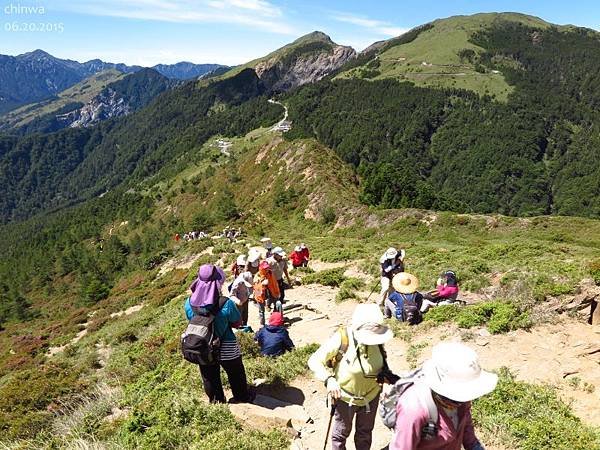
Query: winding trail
x=279 y=126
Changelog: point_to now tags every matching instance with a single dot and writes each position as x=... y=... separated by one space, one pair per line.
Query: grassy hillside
x=123 y=383
x=433 y=57
x=78 y=94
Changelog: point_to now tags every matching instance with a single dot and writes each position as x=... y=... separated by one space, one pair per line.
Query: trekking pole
x=331 y=414
x=373 y=290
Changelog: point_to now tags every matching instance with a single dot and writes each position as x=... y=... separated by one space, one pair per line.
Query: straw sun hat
x=368 y=327
x=405 y=283
x=454 y=372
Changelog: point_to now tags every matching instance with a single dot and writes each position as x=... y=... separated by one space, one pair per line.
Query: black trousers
x=236 y=374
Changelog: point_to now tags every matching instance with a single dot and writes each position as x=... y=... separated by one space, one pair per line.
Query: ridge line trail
x=548 y=353
x=285 y=114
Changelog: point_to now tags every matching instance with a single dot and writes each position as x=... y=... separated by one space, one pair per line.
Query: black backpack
x=199 y=342
x=410 y=309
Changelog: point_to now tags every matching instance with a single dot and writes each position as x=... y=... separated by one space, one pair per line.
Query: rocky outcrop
x=106 y=105
x=282 y=74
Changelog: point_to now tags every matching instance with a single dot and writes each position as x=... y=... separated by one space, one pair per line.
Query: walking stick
x=373 y=290
x=331 y=413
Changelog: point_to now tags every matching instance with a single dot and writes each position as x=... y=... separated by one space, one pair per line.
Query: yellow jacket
x=358 y=388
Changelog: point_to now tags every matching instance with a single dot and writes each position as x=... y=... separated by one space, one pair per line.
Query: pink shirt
x=412 y=416
x=447 y=291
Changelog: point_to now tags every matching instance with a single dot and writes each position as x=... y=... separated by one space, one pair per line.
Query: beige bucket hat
x=368 y=326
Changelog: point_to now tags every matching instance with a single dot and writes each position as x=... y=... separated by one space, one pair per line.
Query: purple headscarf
x=206 y=289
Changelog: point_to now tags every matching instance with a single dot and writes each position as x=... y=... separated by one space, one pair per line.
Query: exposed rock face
x=280 y=75
x=104 y=106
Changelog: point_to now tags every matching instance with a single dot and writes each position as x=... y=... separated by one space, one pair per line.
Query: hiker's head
x=264 y=269
x=206 y=288
x=450 y=278
x=405 y=283
x=297 y=249
x=241 y=260
x=391 y=253
x=253 y=258
x=454 y=373
x=276 y=319
x=267 y=243
x=278 y=253
x=368 y=327
x=302 y=246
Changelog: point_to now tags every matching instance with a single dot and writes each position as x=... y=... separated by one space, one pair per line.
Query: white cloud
x=376 y=26
x=256 y=14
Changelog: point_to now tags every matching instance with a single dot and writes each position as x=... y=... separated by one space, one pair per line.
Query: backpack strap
x=342 y=349
x=430 y=429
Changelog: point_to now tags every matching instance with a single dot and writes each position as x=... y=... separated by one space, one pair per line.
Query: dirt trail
x=546 y=354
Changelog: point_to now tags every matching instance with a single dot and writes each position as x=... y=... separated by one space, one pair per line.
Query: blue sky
x=147 y=32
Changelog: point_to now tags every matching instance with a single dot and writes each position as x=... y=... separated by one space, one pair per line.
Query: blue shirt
x=273 y=341
x=227 y=317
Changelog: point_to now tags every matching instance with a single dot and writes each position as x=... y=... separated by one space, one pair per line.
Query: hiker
x=392 y=262
x=274 y=339
x=297 y=258
x=252 y=262
x=445 y=293
x=305 y=253
x=449 y=381
x=278 y=263
x=268 y=245
x=206 y=299
x=238 y=266
x=405 y=301
x=266 y=291
x=240 y=293
x=349 y=364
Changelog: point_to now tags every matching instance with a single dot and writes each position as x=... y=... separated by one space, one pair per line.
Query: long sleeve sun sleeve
x=318 y=360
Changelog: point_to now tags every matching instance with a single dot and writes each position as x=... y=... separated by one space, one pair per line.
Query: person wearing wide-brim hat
x=453 y=378
x=404 y=303
x=268 y=245
x=351 y=376
x=392 y=262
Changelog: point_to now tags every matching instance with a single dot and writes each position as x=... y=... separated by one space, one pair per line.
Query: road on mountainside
x=280 y=125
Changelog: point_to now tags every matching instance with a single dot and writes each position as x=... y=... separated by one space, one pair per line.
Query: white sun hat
x=390 y=253
x=279 y=251
x=267 y=243
x=368 y=327
x=405 y=283
x=454 y=372
x=241 y=260
x=298 y=249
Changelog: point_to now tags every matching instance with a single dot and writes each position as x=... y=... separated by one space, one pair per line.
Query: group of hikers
x=426 y=409
x=229 y=233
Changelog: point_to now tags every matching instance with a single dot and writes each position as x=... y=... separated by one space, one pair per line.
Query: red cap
x=276 y=319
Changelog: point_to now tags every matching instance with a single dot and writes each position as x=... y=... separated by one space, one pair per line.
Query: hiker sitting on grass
x=405 y=301
x=349 y=364
x=297 y=258
x=241 y=289
x=445 y=292
x=274 y=339
x=392 y=262
x=434 y=413
x=206 y=299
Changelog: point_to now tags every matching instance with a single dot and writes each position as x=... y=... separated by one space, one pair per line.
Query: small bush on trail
x=280 y=370
x=348 y=289
x=330 y=277
x=594 y=269
x=499 y=316
x=532 y=417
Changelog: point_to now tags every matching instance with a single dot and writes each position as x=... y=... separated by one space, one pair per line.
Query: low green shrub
x=499 y=316
x=594 y=270
x=348 y=289
x=531 y=416
x=330 y=277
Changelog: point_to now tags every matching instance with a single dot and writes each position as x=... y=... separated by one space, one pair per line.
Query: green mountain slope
x=436 y=56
